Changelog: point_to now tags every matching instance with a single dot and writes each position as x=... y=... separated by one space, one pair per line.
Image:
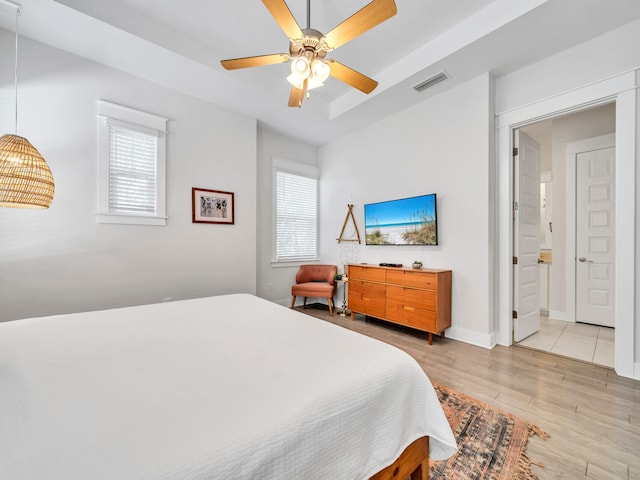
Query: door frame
x=571 y=150
x=621 y=90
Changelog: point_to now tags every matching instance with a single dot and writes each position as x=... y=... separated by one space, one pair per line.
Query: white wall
x=60 y=260
x=442 y=145
x=274 y=281
x=606 y=55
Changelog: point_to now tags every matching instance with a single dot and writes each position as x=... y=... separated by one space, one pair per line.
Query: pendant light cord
x=18 y=8
x=15 y=72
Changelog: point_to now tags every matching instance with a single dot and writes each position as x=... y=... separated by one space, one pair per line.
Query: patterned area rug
x=491 y=443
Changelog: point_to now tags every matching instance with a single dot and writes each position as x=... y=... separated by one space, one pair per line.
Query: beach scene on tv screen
x=408 y=221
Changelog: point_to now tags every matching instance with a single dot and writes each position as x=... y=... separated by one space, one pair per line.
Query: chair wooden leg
x=330 y=306
x=293 y=302
x=304 y=303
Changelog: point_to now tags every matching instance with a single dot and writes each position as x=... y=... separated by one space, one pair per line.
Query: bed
x=226 y=387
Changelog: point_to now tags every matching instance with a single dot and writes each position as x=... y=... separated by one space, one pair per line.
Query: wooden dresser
x=419 y=299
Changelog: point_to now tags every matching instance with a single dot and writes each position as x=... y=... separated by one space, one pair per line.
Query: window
x=131 y=166
x=296 y=211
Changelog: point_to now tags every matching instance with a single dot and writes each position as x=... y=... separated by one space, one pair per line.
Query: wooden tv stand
x=419 y=299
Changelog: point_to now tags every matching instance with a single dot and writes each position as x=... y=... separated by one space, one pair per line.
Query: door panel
x=526 y=242
x=595 y=218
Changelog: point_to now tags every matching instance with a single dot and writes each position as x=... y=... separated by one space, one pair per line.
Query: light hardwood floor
x=591 y=414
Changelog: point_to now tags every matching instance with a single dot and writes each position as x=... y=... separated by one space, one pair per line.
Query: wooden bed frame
x=414 y=462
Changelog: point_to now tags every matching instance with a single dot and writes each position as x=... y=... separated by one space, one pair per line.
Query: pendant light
x=25 y=178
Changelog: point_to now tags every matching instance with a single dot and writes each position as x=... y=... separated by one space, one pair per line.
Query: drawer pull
x=407 y=307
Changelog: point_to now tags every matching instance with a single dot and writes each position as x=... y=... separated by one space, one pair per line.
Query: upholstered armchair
x=315 y=281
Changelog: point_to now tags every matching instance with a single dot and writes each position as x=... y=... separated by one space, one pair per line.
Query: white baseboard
x=559 y=315
x=469 y=336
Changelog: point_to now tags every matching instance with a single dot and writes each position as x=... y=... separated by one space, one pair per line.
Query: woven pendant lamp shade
x=25 y=178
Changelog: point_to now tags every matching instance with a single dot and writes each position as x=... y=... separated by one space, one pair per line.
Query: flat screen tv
x=406 y=221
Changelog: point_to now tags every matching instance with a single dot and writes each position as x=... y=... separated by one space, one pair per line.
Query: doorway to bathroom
x=575 y=226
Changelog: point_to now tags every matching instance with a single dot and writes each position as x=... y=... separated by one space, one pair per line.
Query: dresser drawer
x=412 y=317
x=367 y=298
x=367 y=273
x=368 y=306
x=413 y=278
x=358 y=287
x=412 y=296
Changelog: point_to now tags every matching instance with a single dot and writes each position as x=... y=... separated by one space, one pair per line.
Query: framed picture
x=211 y=206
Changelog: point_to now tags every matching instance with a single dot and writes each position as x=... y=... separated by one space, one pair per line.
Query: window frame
x=303 y=170
x=137 y=120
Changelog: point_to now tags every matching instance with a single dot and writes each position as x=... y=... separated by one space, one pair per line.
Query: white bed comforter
x=229 y=387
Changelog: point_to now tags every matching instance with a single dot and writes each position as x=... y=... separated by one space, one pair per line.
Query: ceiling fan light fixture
x=320 y=70
x=295 y=81
x=314 y=82
x=300 y=67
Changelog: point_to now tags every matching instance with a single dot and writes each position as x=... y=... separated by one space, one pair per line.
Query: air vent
x=430 y=82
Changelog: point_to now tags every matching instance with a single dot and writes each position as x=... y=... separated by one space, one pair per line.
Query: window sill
x=130 y=219
x=293 y=263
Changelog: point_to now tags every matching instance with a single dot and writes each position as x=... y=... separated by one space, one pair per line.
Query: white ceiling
x=179 y=44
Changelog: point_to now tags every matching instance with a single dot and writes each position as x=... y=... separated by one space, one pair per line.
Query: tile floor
x=574 y=340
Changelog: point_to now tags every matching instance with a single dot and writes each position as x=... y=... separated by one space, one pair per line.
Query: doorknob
x=582 y=259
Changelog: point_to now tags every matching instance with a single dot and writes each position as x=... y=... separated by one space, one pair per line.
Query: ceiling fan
x=308 y=48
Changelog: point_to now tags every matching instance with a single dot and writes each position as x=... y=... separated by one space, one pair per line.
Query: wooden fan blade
x=297 y=95
x=351 y=77
x=260 y=60
x=281 y=13
x=364 y=19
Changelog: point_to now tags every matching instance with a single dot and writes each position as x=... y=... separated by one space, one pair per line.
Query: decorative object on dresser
x=419 y=299
x=315 y=280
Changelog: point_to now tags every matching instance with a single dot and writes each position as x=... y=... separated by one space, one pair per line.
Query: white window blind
x=132 y=171
x=131 y=166
x=296 y=217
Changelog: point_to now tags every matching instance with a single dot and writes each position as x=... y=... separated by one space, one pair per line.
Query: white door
x=526 y=246
x=595 y=218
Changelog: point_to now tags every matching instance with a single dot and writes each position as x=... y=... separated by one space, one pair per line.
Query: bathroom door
x=595 y=237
